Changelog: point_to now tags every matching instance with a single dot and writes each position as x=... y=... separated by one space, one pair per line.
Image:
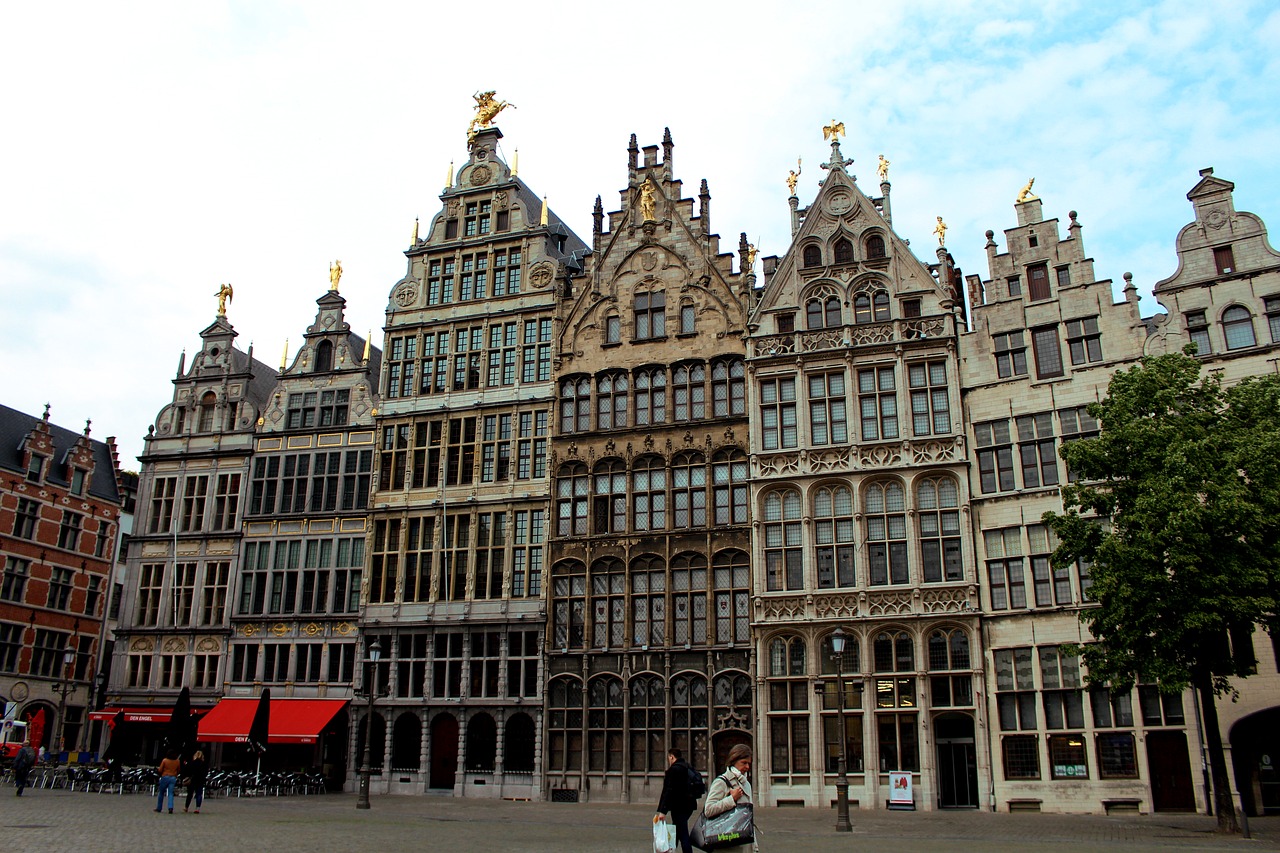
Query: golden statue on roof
x=883 y=169
x=941 y=230
x=224 y=294
x=335 y=273
x=833 y=131
x=487 y=109
x=793 y=176
x=1025 y=194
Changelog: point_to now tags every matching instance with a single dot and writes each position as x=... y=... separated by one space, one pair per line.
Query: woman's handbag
x=730 y=829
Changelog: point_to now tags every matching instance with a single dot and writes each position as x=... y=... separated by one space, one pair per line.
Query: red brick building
x=60 y=505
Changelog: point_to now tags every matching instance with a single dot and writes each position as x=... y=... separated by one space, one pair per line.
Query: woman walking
x=731 y=788
x=197 y=770
x=168 y=770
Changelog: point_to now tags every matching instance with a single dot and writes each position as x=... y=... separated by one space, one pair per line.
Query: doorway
x=444 y=751
x=1170 y=769
x=957 y=762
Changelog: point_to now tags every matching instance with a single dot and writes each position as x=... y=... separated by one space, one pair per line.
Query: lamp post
x=68 y=658
x=838 y=638
x=375 y=652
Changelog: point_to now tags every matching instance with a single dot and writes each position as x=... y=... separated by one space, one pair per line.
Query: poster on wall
x=900 y=793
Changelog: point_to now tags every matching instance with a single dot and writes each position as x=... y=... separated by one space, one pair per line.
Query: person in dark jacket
x=196 y=771
x=677 y=798
x=22 y=763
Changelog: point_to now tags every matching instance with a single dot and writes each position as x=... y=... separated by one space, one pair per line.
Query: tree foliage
x=1177 y=506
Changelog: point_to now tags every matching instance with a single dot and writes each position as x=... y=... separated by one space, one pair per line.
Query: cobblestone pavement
x=44 y=821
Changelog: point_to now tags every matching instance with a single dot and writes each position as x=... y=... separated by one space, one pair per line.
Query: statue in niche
x=648 y=206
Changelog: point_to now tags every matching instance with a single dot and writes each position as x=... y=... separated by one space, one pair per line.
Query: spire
x=284 y=356
x=366 y=346
x=448 y=182
x=182 y=363
x=633 y=155
x=667 y=145
x=414 y=241
x=545 y=212
x=597 y=218
x=704 y=207
x=515 y=163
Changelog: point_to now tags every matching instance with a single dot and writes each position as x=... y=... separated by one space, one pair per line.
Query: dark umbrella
x=261 y=725
x=180 y=734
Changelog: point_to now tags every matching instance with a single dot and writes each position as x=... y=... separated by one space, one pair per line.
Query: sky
x=152 y=151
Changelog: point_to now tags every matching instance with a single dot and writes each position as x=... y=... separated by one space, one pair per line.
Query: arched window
x=572 y=490
x=728 y=388
x=690 y=392
x=604 y=723
x=862 y=308
x=689 y=717
x=843 y=251
x=208 y=403
x=896 y=724
x=880 y=301
x=689 y=598
x=833 y=536
x=1237 y=327
x=517 y=751
x=608 y=603
x=378 y=745
x=886 y=532
x=812 y=256
x=875 y=247
x=651 y=396
x=849 y=662
x=731 y=582
x=569 y=611
x=648 y=724
x=949 y=650
x=609 y=510
x=612 y=329
x=786 y=657
x=482 y=743
x=649 y=493
x=575 y=405
x=938 y=518
x=823 y=313
x=650 y=315
x=649 y=600
x=564 y=729
x=783 y=542
x=611 y=401
x=731 y=692
x=729 y=474
x=324 y=356
x=894 y=652
x=689 y=491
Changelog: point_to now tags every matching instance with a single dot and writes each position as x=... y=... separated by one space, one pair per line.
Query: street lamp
x=375 y=652
x=838 y=639
x=68 y=658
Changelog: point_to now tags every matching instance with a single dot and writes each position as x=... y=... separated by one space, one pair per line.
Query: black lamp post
x=68 y=658
x=838 y=638
x=375 y=652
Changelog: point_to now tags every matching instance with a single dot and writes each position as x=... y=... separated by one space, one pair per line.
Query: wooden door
x=1170 y=768
x=444 y=751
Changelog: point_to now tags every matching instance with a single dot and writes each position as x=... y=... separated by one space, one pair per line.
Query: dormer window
x=324 y=356
x=812 y=256
x=35 y=468
x=844 y=251
x=1224 y=259
x=77 y=481
x=208 y=403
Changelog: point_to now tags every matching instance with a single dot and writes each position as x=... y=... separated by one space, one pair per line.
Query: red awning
x=292 y=720
x=140 y=715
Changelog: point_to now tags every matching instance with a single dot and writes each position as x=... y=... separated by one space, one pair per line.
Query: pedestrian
x=677 y=797
x=196 y=771
x=168 y=770
x=22 y=766
x=732 y=787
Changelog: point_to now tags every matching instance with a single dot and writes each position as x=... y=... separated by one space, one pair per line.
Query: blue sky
x=156 y=150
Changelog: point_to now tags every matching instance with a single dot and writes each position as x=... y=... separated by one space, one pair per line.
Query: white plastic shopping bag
x=664 y=836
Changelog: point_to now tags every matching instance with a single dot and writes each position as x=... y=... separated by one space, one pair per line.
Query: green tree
x=1176 y=505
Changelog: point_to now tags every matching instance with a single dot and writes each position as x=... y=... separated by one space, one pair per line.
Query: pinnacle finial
x=666 y=136
x=47 y=406
x=703 y=189
x=88 y=422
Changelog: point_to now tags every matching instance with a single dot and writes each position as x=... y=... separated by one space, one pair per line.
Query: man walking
x=22 y=763
x=678 y=797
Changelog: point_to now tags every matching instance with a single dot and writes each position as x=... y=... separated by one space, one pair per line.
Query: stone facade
x=60 y=509
x=649 y=638
x=458 y=516
x=860 y=497
x=297 y=587
x=175 y=619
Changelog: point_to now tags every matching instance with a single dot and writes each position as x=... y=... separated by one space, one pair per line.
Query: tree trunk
x=1223 y=805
